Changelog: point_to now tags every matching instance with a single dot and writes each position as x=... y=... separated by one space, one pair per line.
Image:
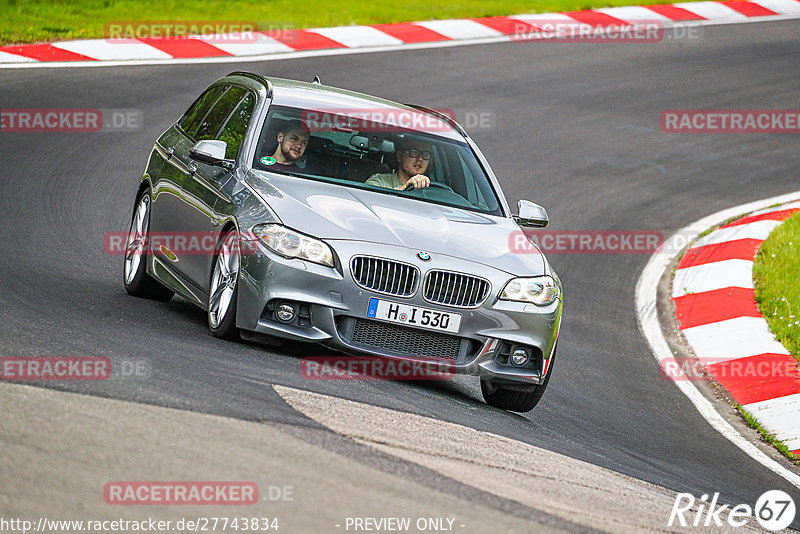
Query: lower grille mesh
x=405 y=341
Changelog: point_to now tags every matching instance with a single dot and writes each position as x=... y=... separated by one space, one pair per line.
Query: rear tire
x=224 y=289
x=514 y=400
x=137 y=246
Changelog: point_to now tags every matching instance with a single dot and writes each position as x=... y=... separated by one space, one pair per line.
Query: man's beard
x=288 y=156
x=412 y=171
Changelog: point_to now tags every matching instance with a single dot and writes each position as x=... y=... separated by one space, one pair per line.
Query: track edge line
x=647 y=319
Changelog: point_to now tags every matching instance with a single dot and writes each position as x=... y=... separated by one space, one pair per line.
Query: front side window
x=213 y=121
x=312 y=144
x=198 y=111
x=234 y=130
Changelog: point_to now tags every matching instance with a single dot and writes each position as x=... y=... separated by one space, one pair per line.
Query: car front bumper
x=337 y=309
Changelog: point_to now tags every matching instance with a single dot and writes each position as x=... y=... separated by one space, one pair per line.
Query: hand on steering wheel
x=442 y=186
x=410 y=186
x=417 y=181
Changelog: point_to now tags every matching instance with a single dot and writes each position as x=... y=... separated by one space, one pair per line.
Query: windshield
x=379 y=156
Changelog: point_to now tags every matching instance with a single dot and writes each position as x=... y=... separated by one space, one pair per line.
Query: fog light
x=285 y=312
x=519 y=357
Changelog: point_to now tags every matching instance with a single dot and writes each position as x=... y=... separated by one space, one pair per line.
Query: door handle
x=192 y=168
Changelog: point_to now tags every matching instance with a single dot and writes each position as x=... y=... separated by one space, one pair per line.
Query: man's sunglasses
x=414 y=153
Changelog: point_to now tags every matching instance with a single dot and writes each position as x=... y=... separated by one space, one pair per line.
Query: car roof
x=318 y=97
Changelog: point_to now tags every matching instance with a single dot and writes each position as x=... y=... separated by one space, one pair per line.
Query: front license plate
x=414 y=316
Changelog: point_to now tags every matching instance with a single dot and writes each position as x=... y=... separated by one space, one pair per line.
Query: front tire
x=134 y=273
x=515 y=400
x=223 y=290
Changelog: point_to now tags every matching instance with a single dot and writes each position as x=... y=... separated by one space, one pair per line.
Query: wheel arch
x=144 y=185
x=228 y=226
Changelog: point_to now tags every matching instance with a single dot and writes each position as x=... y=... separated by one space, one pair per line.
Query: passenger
x=292 y=142
x=413 y=158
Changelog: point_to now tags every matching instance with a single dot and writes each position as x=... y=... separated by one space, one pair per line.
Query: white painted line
x=780 y=416
x=756 y=230
x=358 y=36
x=711 y=10
x=647 y=315
x=792 y=205
x=261 y=44
x=118 y=49
x=732 y=339
x=543 y=17
x=546 y=22
x=5 y=57
x=711 y=276
x=782 y=7
x=281 y=56
x=458 y=29
x=285 y=56
x=634 y=14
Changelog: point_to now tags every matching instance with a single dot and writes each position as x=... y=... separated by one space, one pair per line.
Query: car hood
x=334 y=212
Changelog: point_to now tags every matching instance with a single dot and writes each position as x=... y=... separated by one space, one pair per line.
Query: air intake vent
x=405 y=341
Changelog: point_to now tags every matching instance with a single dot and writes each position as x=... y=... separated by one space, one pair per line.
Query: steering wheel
x=410 y=187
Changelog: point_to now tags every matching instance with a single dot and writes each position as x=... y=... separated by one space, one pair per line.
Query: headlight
x=293 y=244
x=539 y=290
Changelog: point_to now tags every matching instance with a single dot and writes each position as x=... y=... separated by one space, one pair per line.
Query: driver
x=292 y=142
x=413 y=158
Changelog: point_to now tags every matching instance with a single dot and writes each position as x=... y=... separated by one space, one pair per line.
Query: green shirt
x=388 y=180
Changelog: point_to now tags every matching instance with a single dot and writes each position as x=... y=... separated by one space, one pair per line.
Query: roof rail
x=254 y=76
x=441 y=115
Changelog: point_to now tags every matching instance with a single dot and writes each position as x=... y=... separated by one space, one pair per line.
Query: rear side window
x=213 y=121
x=192 y=118
x=233 y=131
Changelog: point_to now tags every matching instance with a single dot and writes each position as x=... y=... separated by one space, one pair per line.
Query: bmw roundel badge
x=424 y=256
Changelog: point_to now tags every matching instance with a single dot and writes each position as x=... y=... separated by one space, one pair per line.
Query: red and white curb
x=715 y=304
x=646 y=301
x=389 y=36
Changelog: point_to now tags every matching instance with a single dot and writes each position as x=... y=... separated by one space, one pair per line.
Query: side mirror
x=531 y=215
x=211 y=152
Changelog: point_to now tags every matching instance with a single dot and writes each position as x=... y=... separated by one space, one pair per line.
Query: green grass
x=28 y=21
x=766 y=436
x=775 y=275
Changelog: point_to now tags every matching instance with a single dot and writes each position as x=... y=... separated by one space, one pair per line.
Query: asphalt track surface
x=576 y=130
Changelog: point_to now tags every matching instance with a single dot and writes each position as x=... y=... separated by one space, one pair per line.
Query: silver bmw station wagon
x=328 y=216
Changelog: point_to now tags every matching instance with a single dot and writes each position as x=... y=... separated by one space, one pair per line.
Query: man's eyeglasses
x=414 y=153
